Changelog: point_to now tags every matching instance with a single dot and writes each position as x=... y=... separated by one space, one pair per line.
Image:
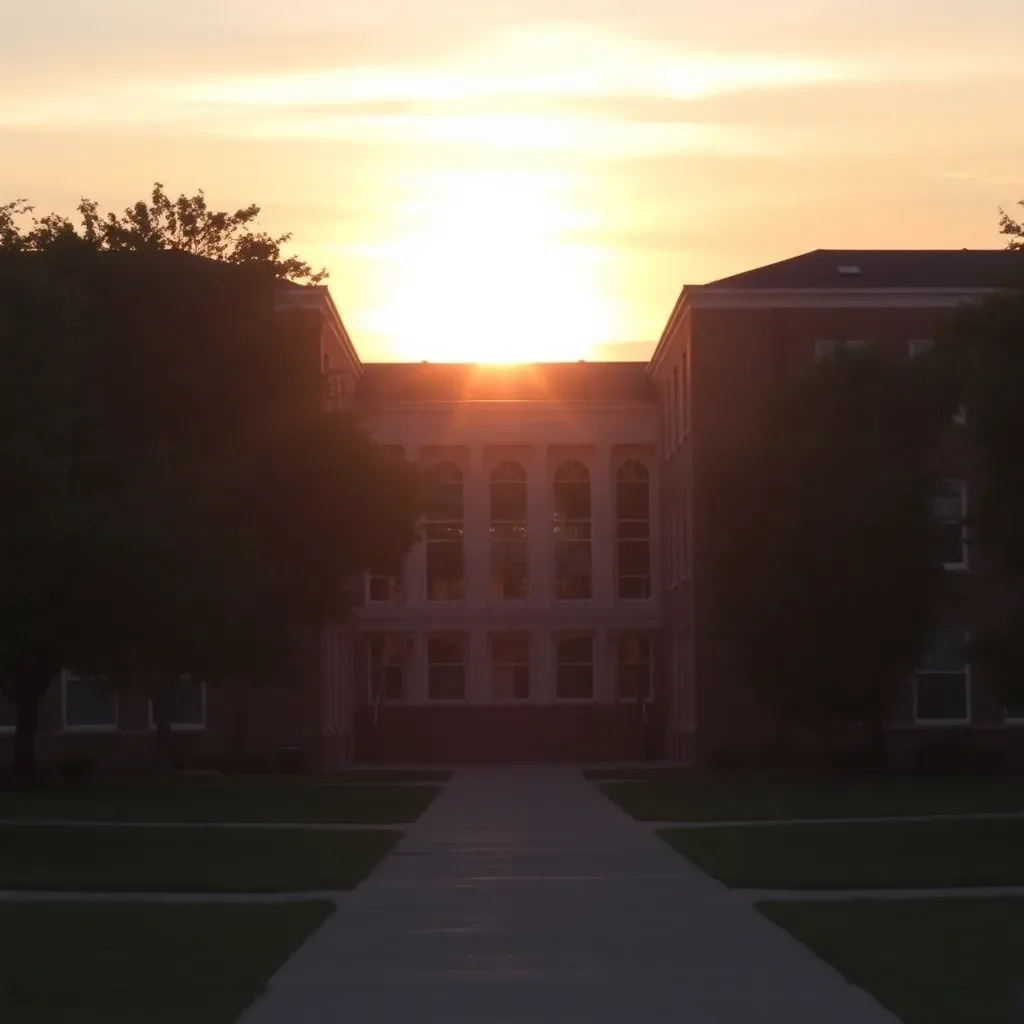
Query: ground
x=132 y=963
x=954 y=961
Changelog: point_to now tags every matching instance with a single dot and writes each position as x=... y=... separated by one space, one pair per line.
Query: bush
x=76 y=770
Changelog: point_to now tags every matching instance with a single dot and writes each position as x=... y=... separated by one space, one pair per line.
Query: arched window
x=633 y=530
x=572 y=528
x=509 y=566
x=444 y=535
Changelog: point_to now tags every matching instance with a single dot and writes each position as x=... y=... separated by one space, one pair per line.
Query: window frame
x=621 y=539
x=384 y=639
x=181 y=726
x=559 y=519
x=459 y=525
x=462 y=641
x=620 y=640
x=106 y=727
x=561 y=638
x=493 y=664
x=961 y=486
x=499 y=529
x=928 y=723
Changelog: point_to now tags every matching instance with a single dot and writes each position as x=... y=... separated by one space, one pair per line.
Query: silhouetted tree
x=825 y=568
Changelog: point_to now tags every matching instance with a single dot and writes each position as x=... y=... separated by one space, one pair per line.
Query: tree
x=178 y=502
x=185 y=224
x=824 y=569
x=986 y=346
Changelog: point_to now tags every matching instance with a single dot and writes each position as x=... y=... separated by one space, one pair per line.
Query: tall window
x=572 y=531
x=444 y=535
x=89 y=702
x=949 y=509
x=186 y=704
x=633 y=666
x=509 y=565
x=510 y=667
x=633 y=530
x=384 y=579
x=8 y=719
x=574 y=668
x=942 y=683
x=446 y=668
x=387 y=658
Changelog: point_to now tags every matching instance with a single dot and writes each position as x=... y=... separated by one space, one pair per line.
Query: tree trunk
x=25 y=729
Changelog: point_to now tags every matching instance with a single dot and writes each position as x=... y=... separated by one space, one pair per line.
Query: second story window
x=446 y=577
x=949 y=507
x=509 y=565
x=633 y=530
x=572 y=525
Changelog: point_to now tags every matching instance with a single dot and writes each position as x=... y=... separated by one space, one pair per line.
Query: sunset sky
x=526 y=178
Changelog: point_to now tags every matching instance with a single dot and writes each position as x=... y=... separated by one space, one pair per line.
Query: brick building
x=552 y=608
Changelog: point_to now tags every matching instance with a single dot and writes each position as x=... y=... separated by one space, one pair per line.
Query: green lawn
x=197 y=859
x=110 y=963
x=667 y=773
x=254 y=800
x=928 y=854
x=954 y=961
x=698 y=798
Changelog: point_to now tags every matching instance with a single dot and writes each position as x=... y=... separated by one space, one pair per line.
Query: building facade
x=551 y=609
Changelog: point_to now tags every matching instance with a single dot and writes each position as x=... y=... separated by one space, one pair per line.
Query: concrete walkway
x=523 y=896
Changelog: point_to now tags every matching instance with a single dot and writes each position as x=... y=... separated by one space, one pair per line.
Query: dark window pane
x=634 y=588
x=508 y=500
x=89 y=702
x=509 y=570
x=510 y=649
x=443 y=650
x=7 y=716
x=634 y=558
x=571 y=531
x=574 y=682
x=951 y=543
x=446 y=682
x=634 y=681
x=633 y=499
x=383 y=588
x=945 y=651
x=941 y=696
x=573 y=588
x=445 y=570
x=575 y=649
x=572 y=498
x=443 y=531
x=634 y=529
x=187 y=703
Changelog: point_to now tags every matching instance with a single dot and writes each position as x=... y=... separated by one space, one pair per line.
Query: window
x=942 y=682
x=633 y=666
x=510 y=667
x=444 y=533
x=1014 y=709
x=509 y=564
x=90 y=702
x=920 y=347
x=383 y=588
x=187 y=704
x=8 y=718
x=446 y=668
x=387 y=657
x=949 y=509
x=633 y=530
x=574 y=668
x=572 y=531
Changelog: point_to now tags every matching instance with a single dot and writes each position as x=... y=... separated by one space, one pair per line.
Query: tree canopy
x=177 y=500
x=185 y=224
x=825 y=570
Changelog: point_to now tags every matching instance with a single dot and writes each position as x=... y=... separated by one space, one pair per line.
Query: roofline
x=319 y=297
x=711 y=296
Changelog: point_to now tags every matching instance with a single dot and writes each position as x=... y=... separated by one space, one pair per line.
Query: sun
x=491 y=273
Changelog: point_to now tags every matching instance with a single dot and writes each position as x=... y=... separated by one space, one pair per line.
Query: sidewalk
x=523 y=896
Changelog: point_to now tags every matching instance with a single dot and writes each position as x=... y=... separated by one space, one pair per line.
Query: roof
x=536 y=382
x=883 y=268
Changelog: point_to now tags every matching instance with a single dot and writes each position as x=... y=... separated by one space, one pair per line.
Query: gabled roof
x=883 y=268
x=384 y=383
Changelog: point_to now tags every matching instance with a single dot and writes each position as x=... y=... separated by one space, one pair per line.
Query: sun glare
x=491 y=274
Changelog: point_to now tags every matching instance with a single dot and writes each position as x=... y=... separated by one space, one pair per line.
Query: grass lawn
x=133 y=963
x=665 y=773
x=929 y=854
x=255 y=800
x=390 y=775
x=952 y=961
x=140 y=859
x=751 y=798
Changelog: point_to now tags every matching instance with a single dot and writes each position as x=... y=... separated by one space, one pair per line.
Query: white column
x=476 y=505
x=539 y=515
x=603 y=531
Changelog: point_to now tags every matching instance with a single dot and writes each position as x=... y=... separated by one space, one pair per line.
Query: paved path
x=523 y=896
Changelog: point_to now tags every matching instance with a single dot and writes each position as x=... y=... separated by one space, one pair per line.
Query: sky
x=527 y=179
